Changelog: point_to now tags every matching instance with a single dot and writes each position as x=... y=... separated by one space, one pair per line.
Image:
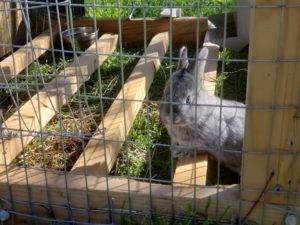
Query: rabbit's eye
x=188 y=100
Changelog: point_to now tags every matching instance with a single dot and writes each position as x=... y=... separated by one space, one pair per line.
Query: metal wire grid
x=25 y=7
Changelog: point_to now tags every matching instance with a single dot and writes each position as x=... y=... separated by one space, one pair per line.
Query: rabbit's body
x=195 y=117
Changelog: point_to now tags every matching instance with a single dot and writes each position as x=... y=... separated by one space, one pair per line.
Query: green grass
x=109 y=8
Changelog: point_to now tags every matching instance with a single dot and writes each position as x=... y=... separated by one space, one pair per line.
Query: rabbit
x=193 y=120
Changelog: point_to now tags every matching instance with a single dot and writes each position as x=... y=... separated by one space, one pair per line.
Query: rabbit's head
x=181 y=91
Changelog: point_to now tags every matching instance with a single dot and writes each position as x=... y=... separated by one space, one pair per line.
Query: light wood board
x=83 y=194
x=272 y=140
x=100 y=153
x=187 y=169
x=40 y=109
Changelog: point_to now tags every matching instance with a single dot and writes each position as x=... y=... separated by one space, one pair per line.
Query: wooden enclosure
x=271 y=146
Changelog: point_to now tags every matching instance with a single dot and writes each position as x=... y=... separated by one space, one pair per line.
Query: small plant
x=225 y=54
x=220 y=79
x=217 y=221
x=234 y=74
x=125 y=220
x=159 y=220
x=190 y=217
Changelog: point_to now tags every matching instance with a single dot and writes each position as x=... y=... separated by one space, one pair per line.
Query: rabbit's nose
x=174 y=114
x=175 y=109
x=172 y=109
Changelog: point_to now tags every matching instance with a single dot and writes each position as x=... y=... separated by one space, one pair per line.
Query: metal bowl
x=84 y=37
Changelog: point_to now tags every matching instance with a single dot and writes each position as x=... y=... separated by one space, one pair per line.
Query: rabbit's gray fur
x=197 y=127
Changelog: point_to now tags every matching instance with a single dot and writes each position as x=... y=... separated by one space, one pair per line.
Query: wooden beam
x=272 y=142
x=20 y=59
x=187 y=169
x=100 y=153
x=184 y=29
x=40 y=109
x=85 y=195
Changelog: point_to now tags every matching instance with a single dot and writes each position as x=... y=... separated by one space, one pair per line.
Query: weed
x=225 y=53
x=234 y=76
x=189 y=217
x=220 y=79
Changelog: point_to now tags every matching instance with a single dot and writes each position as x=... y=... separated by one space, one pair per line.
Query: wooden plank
x=187 y=169
x=99 y=155
x=272 y=140
x=79 y=187
x=4 y=35
x=184 y=29
x=20 y=59
x=48 y=100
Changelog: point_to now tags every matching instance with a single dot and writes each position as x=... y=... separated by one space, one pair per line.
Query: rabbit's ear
x=183 y=59
x=201 y=61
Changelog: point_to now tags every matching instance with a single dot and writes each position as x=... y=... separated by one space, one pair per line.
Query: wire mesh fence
x=107 y=119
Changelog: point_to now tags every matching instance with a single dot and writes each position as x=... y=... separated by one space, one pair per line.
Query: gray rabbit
x=192 y=117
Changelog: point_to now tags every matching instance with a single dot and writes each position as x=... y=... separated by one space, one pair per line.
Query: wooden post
x=272 y=138
x=11 y=26
x=99 y=155
x=40 y=109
